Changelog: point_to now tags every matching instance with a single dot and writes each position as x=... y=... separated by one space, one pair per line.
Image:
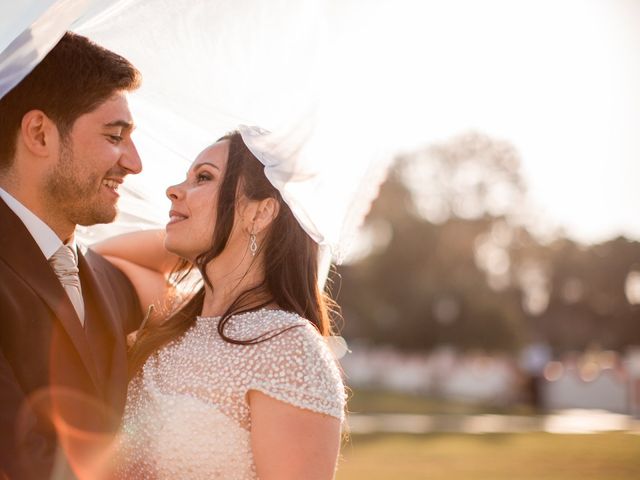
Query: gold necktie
x=64 y=265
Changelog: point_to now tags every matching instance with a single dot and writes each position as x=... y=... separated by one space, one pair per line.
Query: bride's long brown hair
x=290 y=264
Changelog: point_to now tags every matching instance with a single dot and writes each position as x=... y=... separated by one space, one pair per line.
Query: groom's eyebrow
x=121 y=123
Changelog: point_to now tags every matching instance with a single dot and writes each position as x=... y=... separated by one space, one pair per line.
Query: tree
x=454 y=262
x=423 y=286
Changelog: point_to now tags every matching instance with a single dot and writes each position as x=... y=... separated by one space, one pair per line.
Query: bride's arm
x=292 y=443
x=142 y=257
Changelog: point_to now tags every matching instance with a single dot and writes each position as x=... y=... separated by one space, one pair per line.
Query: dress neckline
x=218 y=317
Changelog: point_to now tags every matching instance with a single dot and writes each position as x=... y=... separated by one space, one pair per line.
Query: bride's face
x=194 y=203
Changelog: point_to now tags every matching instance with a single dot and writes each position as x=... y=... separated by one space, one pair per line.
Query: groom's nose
x=130 y=159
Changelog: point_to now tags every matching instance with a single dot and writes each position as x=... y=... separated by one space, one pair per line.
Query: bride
x=237 y=382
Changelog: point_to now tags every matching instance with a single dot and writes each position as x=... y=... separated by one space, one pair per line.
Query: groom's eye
x=115 y=138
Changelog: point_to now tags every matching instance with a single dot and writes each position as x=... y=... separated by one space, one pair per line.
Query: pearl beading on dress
x=187 y=414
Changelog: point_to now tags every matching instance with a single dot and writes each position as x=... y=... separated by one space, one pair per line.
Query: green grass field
x=460 y=456
x=539 y=456
x=381 y=401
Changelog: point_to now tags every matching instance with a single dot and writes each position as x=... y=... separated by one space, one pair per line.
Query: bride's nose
x=174 y=191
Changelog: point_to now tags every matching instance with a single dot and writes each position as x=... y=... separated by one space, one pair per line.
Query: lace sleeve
x=298 y=368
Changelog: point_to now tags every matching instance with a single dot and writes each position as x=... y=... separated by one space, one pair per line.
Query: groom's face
x=93 y=160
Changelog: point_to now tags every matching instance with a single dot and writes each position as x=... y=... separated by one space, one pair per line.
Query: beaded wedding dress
x=187 y=415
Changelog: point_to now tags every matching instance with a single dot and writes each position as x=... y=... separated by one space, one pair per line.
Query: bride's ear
x=266 y=211
x=256 y=215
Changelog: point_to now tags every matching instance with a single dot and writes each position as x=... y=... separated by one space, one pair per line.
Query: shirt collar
x=44 y=236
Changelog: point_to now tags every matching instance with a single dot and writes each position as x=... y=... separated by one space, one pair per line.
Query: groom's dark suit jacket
x=51 y=368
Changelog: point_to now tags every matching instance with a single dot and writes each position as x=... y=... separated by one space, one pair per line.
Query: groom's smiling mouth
x=112 y=184
x=175 y=217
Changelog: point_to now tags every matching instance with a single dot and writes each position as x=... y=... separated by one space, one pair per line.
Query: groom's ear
x=266 y=212
x=38 y=134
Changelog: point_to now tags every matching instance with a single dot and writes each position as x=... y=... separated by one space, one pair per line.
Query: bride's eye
x=203 y=177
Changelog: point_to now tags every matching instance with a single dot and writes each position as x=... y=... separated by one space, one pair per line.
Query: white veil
x=341 y=83
x=209 y=66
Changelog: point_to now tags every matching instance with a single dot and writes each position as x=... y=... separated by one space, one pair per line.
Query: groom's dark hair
x=74 y=78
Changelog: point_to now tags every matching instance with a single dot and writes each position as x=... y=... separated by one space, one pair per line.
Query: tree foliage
x=469 y=273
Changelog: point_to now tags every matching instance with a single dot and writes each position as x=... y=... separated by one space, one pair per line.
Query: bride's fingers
x=131 y=338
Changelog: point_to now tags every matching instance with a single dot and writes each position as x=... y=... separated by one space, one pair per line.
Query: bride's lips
x=175 y=217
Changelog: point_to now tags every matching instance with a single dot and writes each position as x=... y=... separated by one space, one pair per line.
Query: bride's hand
x=131 y=338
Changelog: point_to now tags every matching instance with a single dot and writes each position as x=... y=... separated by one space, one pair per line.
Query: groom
x=65 y=148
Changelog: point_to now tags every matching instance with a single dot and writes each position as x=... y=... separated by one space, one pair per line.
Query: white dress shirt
x=44 y=236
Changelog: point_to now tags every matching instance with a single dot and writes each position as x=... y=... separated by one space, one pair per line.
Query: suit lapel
x=105 y=330
x=19 y=250
x=92 y=280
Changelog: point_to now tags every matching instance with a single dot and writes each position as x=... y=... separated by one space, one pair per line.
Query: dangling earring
x=253 y=245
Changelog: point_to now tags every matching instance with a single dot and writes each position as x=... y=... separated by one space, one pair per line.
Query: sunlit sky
x=560 y=80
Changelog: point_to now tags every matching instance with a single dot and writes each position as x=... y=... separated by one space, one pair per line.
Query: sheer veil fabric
x=209 y=66
x=345 y=82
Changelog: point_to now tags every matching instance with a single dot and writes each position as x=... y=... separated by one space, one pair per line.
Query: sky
x=560 y=80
